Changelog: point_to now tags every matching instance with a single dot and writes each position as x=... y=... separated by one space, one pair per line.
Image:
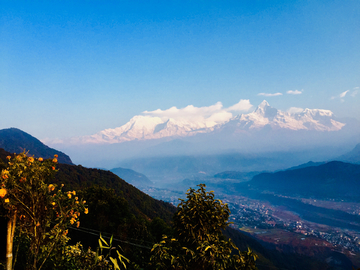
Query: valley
x=297 y=225
x=206 y=135
x=281 y=200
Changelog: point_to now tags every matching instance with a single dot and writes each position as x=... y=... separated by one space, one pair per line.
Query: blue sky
x=72 y=68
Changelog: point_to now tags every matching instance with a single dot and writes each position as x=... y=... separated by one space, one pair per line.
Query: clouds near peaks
x=290 y=92
x=295 y=110
x=242 y=105
x=214 y=113
x=342 y=95
x=270 y=94
x=294 y=92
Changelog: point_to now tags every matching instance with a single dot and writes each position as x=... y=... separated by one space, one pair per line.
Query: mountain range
x=145 y=127
x=264 y=130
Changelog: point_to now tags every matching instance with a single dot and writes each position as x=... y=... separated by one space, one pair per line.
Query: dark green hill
x=132 y=177
x=15 y=140
x=330 y=180
x=115 y=208
x=78 y=177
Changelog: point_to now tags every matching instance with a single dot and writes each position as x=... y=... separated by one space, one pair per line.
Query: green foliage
x=40 y=210
x=122 y=259
x=199 y=242
x=158 y=228
x=109 y=211
x=200 y=218
x=117 y=210
x=139 y=203
x=74 y=257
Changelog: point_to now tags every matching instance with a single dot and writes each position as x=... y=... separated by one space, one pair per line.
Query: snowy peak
x=265 y=115
x=315 y=113
x=265 y=110
x=148 y=127
x=320 y=120
x=263 y=105
x=145 y=127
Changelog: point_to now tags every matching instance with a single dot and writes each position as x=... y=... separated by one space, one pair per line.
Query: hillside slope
x=15 y=140
x=353 y=156
x=334 y=179
x=78 y=177
x=132 y=177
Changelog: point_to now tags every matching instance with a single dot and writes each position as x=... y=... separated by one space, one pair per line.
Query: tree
x=199 y=242
x=41 y=211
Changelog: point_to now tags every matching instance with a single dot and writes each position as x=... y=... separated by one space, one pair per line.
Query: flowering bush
x=42 y=211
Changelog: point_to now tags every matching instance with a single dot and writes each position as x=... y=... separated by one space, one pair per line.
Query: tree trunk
x=9 y=241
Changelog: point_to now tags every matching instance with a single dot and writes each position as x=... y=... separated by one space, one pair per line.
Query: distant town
x=266 y=221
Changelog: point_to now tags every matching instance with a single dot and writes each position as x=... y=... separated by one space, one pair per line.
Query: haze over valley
x=259 y=100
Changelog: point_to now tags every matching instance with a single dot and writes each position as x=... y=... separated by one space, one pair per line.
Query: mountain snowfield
x=145 y=127
x=308 y=119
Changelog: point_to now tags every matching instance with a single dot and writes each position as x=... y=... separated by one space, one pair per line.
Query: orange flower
x=7 y=200
x=31 y=159
x=51 y=187
x=55 y=155
x=74 y=193
x=72 y=221
x=53 y=168
x=5 y=174
x=69 y=195
x=40 y=159
x=66 y=232
x=77 y=224
x=8 y=157
x=86 y=211
x=3 y=192
x=53 y=203
x=54 y=160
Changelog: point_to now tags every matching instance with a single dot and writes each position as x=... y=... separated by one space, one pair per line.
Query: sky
x=74 y=68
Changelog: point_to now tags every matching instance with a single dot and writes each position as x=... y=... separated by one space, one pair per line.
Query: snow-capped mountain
x=149 y=127
x=265 y=115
